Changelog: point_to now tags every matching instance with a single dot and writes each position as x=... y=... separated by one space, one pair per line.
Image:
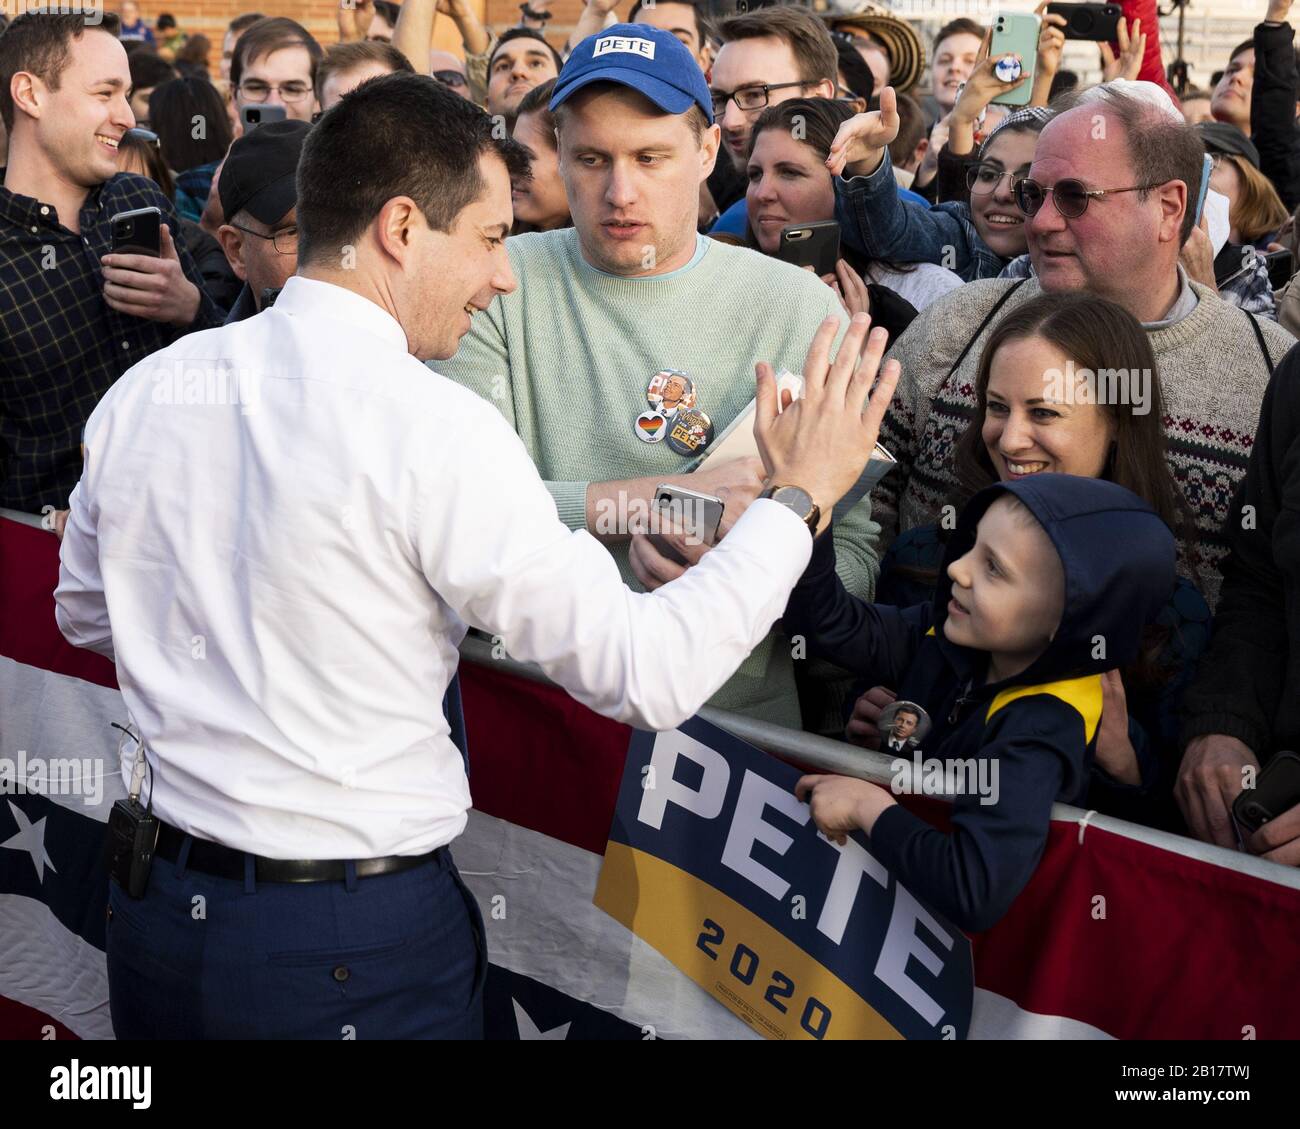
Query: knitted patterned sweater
x=567 y=357
x=1212 y=376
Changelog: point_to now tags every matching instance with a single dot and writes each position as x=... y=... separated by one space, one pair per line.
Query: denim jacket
x=876 y=221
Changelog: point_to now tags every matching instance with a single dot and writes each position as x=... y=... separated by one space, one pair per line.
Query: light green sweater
x=567 y=357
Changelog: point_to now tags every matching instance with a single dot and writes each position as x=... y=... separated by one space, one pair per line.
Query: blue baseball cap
x=651 y=61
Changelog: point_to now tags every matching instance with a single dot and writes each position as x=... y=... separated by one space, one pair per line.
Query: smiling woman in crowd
x=976 y=238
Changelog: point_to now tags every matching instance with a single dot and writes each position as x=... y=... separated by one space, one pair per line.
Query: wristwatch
x=798 y=500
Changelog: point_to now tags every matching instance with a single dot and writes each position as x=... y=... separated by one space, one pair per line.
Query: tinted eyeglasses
x=454 y=79
x=1070 y=196
x=983 y=179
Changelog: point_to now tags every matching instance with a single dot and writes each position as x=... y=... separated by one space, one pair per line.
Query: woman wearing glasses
x=973 y=237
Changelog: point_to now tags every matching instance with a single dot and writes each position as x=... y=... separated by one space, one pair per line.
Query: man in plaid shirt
x=73 y=317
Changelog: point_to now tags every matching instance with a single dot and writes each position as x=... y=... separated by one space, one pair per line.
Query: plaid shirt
x=61 y=346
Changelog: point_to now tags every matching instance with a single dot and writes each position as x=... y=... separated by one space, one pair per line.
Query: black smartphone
x=815 y=245
x=1277 y=789
x=138 y=232
x=1281 y=266
x=253 y=116
x=1096 y=22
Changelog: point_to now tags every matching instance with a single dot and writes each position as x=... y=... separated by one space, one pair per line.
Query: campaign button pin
x=691 y=432
x=650 y=426
x=1008 y=69
x=670 y=390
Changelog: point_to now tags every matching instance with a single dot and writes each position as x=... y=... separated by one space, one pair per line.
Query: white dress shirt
x=281 y=530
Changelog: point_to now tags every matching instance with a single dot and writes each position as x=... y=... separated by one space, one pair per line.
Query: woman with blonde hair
x=1255 y=210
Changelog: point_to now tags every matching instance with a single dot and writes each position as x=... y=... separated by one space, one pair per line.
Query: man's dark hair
x=1062 y=82
x=1244 y=45
x=524 y=33
x=1249 y=45
x=962 y=26
x=906 y=710
x=395 y=135
x=1160 y=149
x=40 y=44
x=272 y=34
x=345 y=56
x=174 y=108
x=808 y=38
x=857 y=74
x=149 y=70
x=244 y=21
x=703 y=25
x=388 y=10
x=165 y=22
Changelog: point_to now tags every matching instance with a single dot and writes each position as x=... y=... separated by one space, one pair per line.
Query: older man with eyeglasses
x=259 y=199
x=1109 y=202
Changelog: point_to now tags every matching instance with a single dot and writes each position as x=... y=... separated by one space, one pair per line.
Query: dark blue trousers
x=399 y=956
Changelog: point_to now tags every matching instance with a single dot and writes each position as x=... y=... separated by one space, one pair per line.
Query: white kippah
x=1139 y=91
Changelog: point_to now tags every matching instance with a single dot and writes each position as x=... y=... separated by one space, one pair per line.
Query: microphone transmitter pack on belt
x=132 y=833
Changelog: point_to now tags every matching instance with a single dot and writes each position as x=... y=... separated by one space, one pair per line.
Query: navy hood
x=1118 y=557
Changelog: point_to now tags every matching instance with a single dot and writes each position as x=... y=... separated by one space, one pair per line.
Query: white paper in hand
x=738 y=442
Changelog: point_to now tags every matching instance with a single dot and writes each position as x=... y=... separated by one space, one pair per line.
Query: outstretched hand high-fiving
x=822 y=441
x=861 y=141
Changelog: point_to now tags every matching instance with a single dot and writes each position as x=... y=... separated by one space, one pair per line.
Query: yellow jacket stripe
x=1083 y=694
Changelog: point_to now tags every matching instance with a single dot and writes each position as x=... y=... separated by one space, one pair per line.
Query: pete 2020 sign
x=712 y=861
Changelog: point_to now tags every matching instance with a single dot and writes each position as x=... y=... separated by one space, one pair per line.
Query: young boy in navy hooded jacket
x=1050 y=579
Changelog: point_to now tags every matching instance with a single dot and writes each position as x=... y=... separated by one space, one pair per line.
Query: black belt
x=226 y=862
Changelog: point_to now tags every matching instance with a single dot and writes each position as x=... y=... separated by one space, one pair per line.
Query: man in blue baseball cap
x=629 y=346
x=631 y=76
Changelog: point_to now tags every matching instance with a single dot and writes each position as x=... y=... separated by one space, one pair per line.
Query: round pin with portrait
x=903 y=726
x=651 y=426
x=690 y=432
x=670 y=391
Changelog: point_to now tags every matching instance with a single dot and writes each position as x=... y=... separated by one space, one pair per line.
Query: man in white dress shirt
x=282 y=530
